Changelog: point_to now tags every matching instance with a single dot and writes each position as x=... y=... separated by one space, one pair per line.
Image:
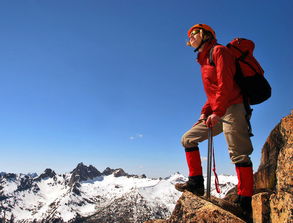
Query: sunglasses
x=194 y=32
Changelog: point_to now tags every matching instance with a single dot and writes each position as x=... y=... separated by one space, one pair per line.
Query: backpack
x=249 y=75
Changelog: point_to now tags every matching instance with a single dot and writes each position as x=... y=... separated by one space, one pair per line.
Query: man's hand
x=212 y=120
x=202 y=118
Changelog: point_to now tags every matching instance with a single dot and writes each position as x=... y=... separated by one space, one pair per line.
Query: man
x=223 y=112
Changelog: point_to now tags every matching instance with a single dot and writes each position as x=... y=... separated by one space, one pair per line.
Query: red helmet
x=202 y=26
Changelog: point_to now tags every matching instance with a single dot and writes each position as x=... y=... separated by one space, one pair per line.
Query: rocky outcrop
x=273 y=198
x=261 y=207
x=281 y=207
x=25 y=183
x=120 y=173
x=274 y=176
x=83 y=173
x=285 y=159
x=9 y=176
x=191 y=209
x=276 y=160
x=108 y=171
x=49 y=173
x=117 y=172
x=265 y=177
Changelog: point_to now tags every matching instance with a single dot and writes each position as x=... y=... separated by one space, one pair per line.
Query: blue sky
x=111 y=83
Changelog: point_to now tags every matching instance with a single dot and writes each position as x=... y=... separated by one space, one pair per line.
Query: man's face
x=195 y=38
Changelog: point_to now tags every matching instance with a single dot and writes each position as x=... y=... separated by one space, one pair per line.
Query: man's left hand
x=212 y=120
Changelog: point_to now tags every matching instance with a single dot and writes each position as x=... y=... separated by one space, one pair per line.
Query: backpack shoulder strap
x=212 y=63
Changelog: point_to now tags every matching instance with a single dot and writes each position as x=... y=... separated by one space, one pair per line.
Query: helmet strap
x=201 y=44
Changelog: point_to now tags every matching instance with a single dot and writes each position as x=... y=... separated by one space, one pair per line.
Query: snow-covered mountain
x=87 y=195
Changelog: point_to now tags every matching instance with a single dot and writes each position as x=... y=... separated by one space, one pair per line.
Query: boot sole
x=198 y=193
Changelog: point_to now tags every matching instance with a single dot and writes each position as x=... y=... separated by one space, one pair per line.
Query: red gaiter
x=245 y=181
x=194 y=162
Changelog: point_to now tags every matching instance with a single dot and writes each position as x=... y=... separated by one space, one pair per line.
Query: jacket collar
x=206 y=49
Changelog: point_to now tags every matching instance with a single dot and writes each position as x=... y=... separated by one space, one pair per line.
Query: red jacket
x=218 y=81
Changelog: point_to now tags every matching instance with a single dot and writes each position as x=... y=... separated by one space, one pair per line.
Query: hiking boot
x=245 y=204
x=194 y=185
x=232 y=207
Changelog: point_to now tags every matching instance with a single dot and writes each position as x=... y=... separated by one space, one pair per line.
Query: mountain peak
x=108 y=171
x=120 y=173
x=80 y=165
x=9 y=176
x=117 y=172
x=48 y=173
x=82 y=173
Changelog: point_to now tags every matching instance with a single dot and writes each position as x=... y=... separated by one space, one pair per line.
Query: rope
x=214 y=170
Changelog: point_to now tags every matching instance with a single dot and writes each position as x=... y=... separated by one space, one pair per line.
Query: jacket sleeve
x=207 y=109
x=225 y=68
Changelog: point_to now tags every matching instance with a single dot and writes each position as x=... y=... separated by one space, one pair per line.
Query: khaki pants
x=235 y=130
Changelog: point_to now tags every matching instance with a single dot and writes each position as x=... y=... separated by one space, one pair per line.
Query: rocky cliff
x=274 y=178
x=273 y=198
x=194 y=209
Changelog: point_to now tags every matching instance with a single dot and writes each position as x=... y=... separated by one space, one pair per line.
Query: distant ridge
x=89 y=195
